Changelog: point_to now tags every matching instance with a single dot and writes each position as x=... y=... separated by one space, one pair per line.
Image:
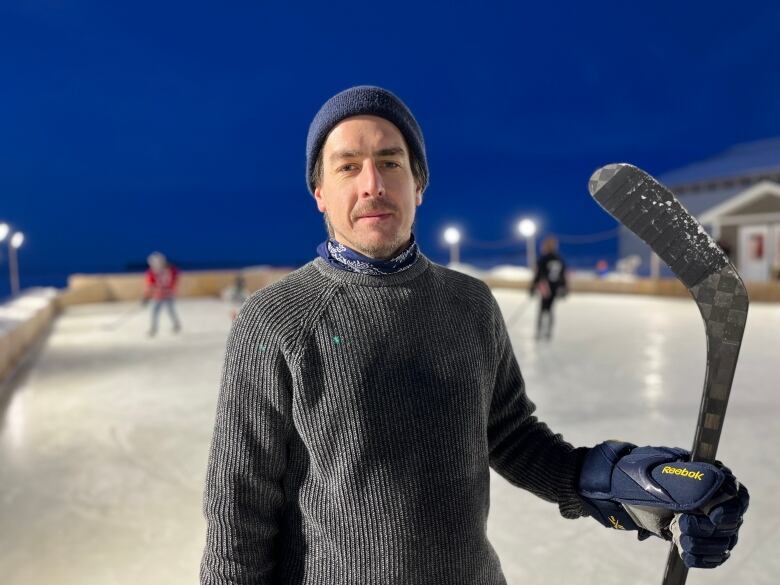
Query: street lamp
x=4 y=229
x=527 y=229
x=13 y=266
x=452 y=237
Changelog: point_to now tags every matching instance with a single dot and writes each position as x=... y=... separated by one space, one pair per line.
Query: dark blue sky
x=180 y=126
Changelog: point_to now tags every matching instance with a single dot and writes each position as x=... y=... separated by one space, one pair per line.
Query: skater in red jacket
x=161 y=278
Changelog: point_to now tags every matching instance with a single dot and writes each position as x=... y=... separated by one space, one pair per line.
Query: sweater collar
x=339 y=256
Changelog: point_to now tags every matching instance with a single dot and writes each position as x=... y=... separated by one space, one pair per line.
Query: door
x=754 y=252
x=774 y=261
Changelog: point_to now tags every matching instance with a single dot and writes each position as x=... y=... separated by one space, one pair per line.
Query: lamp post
x=527 y=229
x=13 y=265
x=655 y=266
x=4 y=229
x=452 y=237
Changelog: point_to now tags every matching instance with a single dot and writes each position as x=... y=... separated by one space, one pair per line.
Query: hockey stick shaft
x=652 y=212
x=518 y=312
x=723 y=345
x=123 y=318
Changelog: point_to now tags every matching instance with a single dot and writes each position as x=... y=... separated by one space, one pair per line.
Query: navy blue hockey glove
x=656 y=490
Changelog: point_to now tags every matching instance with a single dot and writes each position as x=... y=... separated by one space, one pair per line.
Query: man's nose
x=371 y=183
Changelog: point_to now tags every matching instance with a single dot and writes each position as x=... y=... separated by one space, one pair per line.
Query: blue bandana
x=343 y=258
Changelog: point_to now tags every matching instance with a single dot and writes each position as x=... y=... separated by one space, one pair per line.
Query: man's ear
x=418 y=195
x=320 y=200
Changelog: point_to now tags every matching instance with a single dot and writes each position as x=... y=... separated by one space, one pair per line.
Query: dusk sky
x=181 y=126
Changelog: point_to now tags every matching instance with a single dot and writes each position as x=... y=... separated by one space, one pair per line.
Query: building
x=736 y=197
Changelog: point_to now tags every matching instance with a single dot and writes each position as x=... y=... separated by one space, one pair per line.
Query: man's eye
x=391 y=164
x=348 y=167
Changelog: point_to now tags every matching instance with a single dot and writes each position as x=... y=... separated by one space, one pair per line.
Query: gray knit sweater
x=357 y=420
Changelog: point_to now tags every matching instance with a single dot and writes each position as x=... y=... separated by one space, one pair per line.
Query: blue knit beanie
x=357 y=101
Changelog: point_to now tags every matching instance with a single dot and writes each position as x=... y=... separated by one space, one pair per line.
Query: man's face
x=367 y=188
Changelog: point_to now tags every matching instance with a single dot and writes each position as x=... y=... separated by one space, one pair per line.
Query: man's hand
x=656 y=490
x=705 y=539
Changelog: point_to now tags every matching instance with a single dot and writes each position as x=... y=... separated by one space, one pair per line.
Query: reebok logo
x=683 y=472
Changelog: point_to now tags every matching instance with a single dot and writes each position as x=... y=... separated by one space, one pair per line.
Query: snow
x=466 y=269
x=504 y=272
x=522 y=274
x=576 y=273
x=620 y=277
x=509 y=272
x=24 y=307
x=104 y=441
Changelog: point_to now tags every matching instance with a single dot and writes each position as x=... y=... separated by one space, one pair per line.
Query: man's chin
x=380 y=248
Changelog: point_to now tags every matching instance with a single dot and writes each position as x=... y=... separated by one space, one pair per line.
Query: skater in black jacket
x=550 y=282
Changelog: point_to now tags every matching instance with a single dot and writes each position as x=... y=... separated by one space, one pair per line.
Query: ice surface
x=103 y=443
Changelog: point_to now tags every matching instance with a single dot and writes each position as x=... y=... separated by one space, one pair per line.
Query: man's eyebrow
x=341 y=154
x=391 y=151
x=347 y=153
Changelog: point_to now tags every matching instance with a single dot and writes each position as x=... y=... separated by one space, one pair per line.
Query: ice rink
x=104 y=438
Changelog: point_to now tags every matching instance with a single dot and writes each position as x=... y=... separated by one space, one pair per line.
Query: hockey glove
x=656 y=490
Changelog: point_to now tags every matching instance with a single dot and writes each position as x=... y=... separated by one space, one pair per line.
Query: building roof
x=751 y=160
x=698 y=203
x=705 y=188
x=738 y=203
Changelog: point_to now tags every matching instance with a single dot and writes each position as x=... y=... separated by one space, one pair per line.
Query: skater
x=161 y=279
x=550 y=282
x=365 y=396
x=235 y=295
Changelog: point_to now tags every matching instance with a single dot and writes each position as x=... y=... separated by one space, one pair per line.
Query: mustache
x=373 y=209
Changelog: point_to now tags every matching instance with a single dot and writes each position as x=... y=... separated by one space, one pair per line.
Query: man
x=550 y=282
x=365 y=396
x=161 y=279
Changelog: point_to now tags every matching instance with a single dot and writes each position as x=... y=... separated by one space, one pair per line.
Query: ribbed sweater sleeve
x=244 y=494
x=523 y=449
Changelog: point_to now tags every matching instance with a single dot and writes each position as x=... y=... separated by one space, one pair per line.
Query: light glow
x=527 y=228
x=451 y=236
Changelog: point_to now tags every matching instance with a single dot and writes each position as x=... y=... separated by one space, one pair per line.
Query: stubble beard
x=381 y=250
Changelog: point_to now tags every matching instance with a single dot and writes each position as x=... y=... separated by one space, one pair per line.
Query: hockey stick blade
x=652 y=212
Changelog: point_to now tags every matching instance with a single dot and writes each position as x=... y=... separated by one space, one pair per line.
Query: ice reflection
x=653 y=364
x=13 y=423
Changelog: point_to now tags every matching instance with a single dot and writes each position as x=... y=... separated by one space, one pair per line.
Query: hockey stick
x=653 y=213
x=518 y=312
x=122 y=319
